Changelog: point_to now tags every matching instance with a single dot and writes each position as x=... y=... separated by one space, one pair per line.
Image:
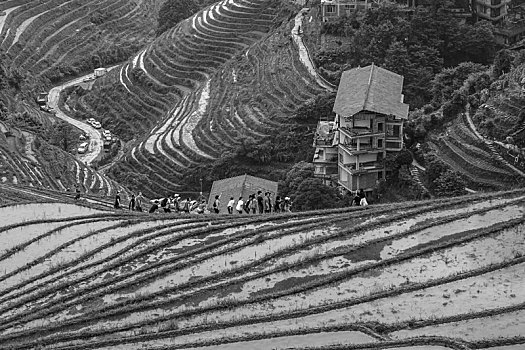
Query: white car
x=106 y=133
x=83 y=148
x=96 y=125
x=108 y=138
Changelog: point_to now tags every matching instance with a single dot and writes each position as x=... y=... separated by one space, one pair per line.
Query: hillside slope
x=27 y=160
x=441 y=275
x=229 y=73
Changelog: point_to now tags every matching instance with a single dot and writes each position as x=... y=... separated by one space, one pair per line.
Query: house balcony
x=361 y=133
x=324 y=141
x=363 y=149
x=364 y=168
x=328 y=159
x=324 y=134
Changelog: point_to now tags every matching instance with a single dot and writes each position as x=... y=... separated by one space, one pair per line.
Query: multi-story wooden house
x=369 y=119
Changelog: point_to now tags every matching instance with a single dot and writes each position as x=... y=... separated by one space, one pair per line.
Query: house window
x=380 y=143
x=393 y=130
x=397 y=130
x=393 y=145
x=380 y=127
x=330 y=8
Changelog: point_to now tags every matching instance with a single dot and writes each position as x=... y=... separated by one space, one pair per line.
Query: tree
x=451 y=79
x=174 y=11
x=295 y=176
x=502 y=63
x=448 y=184
x=319 y=107
x=313 y=194
x=64 y=136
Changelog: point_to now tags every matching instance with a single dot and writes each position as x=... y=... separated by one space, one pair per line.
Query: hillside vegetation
x=441 y=275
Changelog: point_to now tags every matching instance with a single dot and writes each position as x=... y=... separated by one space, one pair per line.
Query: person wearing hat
x=287 y=204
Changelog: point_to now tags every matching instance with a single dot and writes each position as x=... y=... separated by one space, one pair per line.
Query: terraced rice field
x=466 y=153
x=230 y=72
x=439 y=275
x=35 y=169
x=41 y=36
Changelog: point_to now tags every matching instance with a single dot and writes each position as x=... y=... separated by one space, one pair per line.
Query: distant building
x=333 y=9
x=326 y=154
x=238 y=186
x=369 y=123
x=492 y=10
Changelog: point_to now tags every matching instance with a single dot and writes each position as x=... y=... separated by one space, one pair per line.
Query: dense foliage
x=416 y=46
x=174 y=11
x=307 y=192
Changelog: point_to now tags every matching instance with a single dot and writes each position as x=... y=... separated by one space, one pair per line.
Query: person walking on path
x=247 y=204
x=131 y=205
x=267 y=203
x=287 y=205
x=165 y=204
x=231 y=203
x=356 y=201
x=260 y=202
x=138 y=202
x=77 y=193
x=117 y=200
x=253 y=204
x=277 y=205
x=240 y=205
x=187 y=205
x=155 y=206
x=216 y=204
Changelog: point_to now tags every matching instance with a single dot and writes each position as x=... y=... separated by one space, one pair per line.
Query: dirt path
x=95 y=145
x=303 y=51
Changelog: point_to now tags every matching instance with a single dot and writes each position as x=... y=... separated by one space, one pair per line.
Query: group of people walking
x=255 y=204
x=175 y=204
x=135 y=203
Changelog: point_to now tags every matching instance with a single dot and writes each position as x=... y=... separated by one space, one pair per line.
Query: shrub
x=449 y=183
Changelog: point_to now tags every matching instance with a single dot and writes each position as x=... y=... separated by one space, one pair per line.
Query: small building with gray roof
x=240 y=186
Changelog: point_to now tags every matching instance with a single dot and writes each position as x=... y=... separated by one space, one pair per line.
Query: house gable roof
x=372 y=89
x=238 y=186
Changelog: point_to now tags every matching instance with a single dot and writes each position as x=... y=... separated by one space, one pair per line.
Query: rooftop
x=372 y=89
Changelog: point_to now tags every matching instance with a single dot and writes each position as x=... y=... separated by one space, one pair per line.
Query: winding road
x=95 y=137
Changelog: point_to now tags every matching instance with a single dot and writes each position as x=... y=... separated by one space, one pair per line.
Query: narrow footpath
x=304 y=55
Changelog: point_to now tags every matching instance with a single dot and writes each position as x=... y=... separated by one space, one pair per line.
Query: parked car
x=83 y=148
x=96 y=125
x=90 y=120
x=106 y=133
x=88 y=79
x=46 y=108
x=82 y=138
x=41 y=98
x=108 y=138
